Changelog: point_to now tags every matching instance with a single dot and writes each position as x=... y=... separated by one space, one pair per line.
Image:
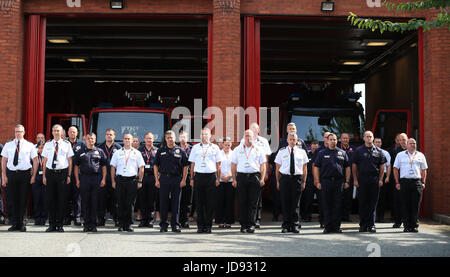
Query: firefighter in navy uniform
x=307 y=197
x=90 y=175
x=332 y=175
x=107 y=197
x=170 y=169
x=368 y=172
x=186 y=202
x=147 y=194
x=347 y=197
x=396 y=211
x=73 y=210
x=291 y=170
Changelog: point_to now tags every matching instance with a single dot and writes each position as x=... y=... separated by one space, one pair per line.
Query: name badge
x=55 y=162
x=124 y=170
x=41 y=172
x=203 y=165
x=81 y=155
x=246 y=165
x=411 y=172
x=147 y=166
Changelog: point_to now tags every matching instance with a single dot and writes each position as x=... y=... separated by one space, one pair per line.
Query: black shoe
x=93 y=229
x=326 y=231
x=372 y=229
x=129 y=229
x=77 y=222
x=397 y=225
x=185 y=225
x=207 y=230
x=284 y=230
x=163 y=229
x=13 y=228
x=322 y=226
x=101 y=223
x=257 y=225
x=295 y=230
x=116 y=224
x=67 y=222
x=176 y=229
x=22 y=229
x=120 y=229
x=60 y=229
x=227 y=226
x=414 y=230
x=251 y=230
x=143 y=224
x=51 y=229
x=86 y=229
x=363 y=229
x=243 y=229
x=221 y=226
x=406 y=230
x=338 y=231
x=199 y=230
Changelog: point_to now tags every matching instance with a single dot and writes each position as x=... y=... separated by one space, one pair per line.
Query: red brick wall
x=11 y=67
x=437 y=126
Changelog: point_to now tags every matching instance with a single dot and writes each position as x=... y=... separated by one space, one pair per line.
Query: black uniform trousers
x=89 y=188
x=225 y=203
x=307 y=200
x=411 y=196
x=276 y=198
x=205 y=190
x=248 y=190
x=347 y=201
x=40 y=209
x=57 y=189
x=107 y=200
x=382 y=202
x=332 y=192
x=73 y=207
x=147 y=197
x=126 y=189
x=185 y=202
x=368 y=192
x=18 y=187
x=290 y=191
x=169 y=186
x=396 y=205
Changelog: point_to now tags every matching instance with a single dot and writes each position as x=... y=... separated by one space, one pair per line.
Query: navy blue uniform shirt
x=171 y=160
x=109 y=151
x=332 y=163
x=149 y=156
x=368 y=160
x=90 y=161
x=350 y=151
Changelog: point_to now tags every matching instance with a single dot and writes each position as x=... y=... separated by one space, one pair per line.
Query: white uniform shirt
x=262 y=143
x=64 y=152
x=407 y=170
x=248 y=159
x=27 y=152
x=388 y=159
x=225 y=164
x=283 y=158
x=127 y=162
x=205 y=157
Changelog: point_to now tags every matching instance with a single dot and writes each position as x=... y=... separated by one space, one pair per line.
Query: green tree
x=441 y=21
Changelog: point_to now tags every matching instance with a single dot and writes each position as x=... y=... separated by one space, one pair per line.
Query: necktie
x=16 y=155
x=55 y=156
x=292 y=162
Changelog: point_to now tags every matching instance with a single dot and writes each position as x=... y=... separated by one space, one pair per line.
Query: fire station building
x=68 y=56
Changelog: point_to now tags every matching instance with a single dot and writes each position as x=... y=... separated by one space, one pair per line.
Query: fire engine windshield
x=135 y=123
x=311 y=126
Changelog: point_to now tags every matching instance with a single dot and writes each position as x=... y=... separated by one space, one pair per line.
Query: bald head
x=402 y=140
x=368 y=138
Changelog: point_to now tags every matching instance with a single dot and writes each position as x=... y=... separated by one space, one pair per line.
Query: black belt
x=90 y=173
x=126 y=177
x=149 y=173
x=333 y=178
x=248 y=174
x=410 y=179
x=170 y=175
x=64 y=170
x=20 y=171
x=291 y=176
x=199 y=173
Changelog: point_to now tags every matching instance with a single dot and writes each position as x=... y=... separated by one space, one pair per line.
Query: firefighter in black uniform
x=347 y=197
x=170 y=169
x=368 y=172
x=90 y=175
x=332 y=174
x=147 y=194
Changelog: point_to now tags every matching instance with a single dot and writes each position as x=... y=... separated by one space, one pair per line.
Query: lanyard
x=126 y=156
x=109 y=152
x=245 y=151
x=411 y=160
x=293 y=149
x=41 y=161
x=152 y=153
x=204 y=152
